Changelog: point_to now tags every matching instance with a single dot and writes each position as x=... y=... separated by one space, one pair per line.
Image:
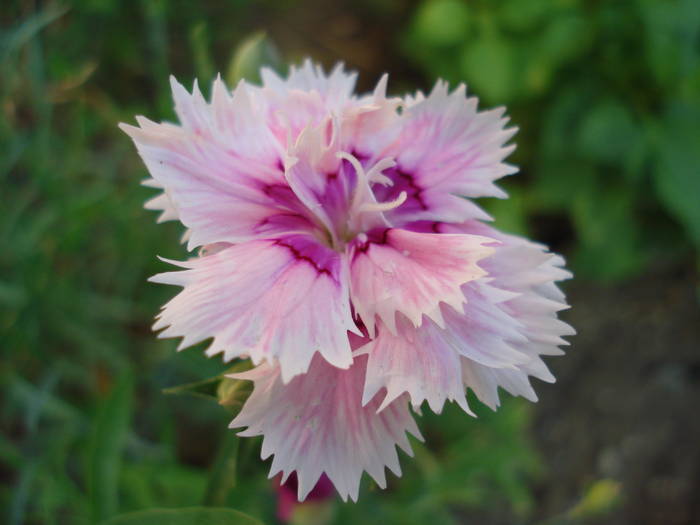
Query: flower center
x=364 y=212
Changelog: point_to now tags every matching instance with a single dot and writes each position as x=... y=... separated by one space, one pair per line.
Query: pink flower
x=338 y=252
x=318 y=499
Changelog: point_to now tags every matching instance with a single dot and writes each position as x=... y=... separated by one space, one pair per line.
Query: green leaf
x=107 y=442
x=488 y=66
x=230 y=393
x=222 y=477
x=599 y=499
x=199 y=41
x=555 y=182
x=442 y=22
x=151 y=483
x=669 y=40
x=185 y=516
x=233 y=393
x=565 y=38
x=510 y=213
x=608 y=132
x=677 y=167
x=561 y=119
x=609 y=233
x=206 y=388
x=524 y=15
x=27 y=29
x=253 y=53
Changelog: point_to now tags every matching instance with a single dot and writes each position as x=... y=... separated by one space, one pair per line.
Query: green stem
x=223 y=473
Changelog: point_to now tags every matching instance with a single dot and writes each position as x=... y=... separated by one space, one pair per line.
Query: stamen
x=365 y=178
x=362 y=181
x=384 y=206
x=382 y=179
x=375 y=173
x=355 y=163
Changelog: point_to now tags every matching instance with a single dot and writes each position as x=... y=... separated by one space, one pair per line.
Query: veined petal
x=315 y=173
x=218 y=168
x=281 y=299
x=425 y=361
x=513 y=309
x=425 y=204
x=530 y=272
x=445 y=149
x=161 y=202
x=333 y=184
x=395 y=270
x=335 y=88
x=373 y=120
x=420 y=362
x=485 y=382
x=289 y=112
x=316 y=423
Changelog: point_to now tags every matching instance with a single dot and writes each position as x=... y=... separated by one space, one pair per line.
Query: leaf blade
x=184 y=516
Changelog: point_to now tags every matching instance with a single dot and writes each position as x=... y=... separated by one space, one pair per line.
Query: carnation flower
x=340 y=252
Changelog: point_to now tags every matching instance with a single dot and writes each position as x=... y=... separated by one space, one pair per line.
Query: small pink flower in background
x=288 y=508
x=340 y=252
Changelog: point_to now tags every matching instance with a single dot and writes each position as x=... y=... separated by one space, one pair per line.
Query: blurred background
x=607 y=98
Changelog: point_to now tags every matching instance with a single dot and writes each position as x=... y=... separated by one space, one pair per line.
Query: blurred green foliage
x=186 y=516
x=607 y=98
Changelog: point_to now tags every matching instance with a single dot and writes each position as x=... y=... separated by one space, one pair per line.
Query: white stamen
x=352 y=160
x=382 y=179
x=365 y=178
x=384 y=206
x=362 y=180
x=375 y=173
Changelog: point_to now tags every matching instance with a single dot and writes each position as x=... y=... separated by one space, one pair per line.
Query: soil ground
x=627 y=402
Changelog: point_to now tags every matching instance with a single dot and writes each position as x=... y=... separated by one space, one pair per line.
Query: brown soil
x=626 y=405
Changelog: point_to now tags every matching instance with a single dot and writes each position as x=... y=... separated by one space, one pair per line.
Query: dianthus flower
x=341 y=253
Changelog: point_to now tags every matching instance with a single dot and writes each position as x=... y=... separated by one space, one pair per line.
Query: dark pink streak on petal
x=282 y=195
x=426 y=227
x=375 y=236
x=403 y=181
x=304 y=248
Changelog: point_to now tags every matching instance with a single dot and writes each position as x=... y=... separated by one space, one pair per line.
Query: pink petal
x=317 y=176
x=485 y=382
x=219 y=168
x=288 y=112
x=425 y=362
x=163 y=203
x=335 y=88
x=373 y=120
x=316 y=424
x=528 y=271
x=424 y=203
x=308 y=97
x=395 y=270
x=275 y=299
x=445 y=148
x=419 y=361
x=510 y=318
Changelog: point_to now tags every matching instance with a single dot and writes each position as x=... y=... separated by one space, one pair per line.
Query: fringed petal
x=445 y=149
x=317 y=424
x=395 y=270
x=220 y=168
x=275 y=300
